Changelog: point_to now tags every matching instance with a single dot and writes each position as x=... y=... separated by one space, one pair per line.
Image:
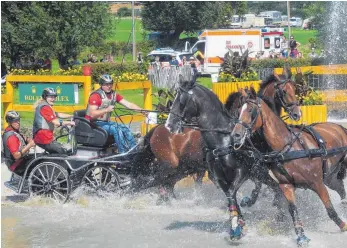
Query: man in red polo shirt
x=15 y=145
x=100 y=105
x=45 y=120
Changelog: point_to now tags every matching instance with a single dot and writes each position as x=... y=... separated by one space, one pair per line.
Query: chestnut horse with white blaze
x=301 y=160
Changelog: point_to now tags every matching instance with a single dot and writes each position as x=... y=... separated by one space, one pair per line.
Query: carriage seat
x=89 y=134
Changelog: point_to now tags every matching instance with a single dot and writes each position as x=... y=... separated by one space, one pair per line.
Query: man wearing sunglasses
x=45 y=120
x=101 y=104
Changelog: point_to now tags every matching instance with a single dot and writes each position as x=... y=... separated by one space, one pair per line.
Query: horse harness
x=280 y=93
x=279 y=157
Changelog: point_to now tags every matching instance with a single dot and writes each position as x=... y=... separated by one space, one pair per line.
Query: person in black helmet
x=15 y=145
x=45 y=120
x=100 y=105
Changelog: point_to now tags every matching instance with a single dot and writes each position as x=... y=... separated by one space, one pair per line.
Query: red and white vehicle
x=214 y=43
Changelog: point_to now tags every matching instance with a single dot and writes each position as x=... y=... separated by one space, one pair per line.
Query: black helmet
x=48 y=92
x=105 y=79
x=12 y=116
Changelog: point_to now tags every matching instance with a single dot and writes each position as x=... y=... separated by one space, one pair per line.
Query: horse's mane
x=213 y=97
x=266 y=82
x=231 y=99
x=270 y=102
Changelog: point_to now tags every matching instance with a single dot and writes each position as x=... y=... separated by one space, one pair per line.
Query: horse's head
x=235 y=100
x=282 y=89
x=184 y=107
x=250 y=119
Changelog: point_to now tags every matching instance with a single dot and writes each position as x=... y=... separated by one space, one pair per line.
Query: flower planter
x=223 y=90
x=311 y=114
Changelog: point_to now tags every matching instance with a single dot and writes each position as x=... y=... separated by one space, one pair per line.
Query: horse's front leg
x=237 y=175
x=289 y=193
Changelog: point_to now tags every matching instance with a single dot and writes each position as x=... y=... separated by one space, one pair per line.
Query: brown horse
x=292 y=172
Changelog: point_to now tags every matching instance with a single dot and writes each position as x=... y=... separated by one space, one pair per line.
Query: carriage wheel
x=101 y=179
x=51 y=180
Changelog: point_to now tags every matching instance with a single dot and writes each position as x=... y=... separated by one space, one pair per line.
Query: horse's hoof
x=236 y=233
x=302 y=241
x=344 y=228
x=245 y=202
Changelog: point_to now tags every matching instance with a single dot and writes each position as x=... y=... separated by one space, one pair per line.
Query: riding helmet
x=48 y=92
x=105 y=79
x=12 y=116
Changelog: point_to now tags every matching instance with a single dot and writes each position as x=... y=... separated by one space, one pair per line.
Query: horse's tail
x=343 y=170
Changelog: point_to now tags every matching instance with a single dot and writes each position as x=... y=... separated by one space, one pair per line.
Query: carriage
x=92 y=161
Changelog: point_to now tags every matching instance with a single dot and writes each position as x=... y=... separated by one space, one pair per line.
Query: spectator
x=75 y=62
x=173 y=61
x=47 y=64
x=184 y=60
x=293 y=44
x=192 y=62
x=284 y=47
x=94 y=59
x=26 y=63
x=322 y=54
x=313 y=53
x=139 y=58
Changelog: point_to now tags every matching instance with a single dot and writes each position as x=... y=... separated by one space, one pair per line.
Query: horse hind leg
x=337 y=184
x=250 y=201
x=322 y=191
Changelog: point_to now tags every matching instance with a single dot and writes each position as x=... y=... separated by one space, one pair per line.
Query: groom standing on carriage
x=100 y=106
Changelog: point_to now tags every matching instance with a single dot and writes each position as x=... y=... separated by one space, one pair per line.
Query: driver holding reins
x=101 y=104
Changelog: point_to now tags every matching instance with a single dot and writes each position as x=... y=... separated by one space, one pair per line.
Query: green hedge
x=278 y=63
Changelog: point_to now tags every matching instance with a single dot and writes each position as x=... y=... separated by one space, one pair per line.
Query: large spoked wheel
x=51 y=180
x=101 y=179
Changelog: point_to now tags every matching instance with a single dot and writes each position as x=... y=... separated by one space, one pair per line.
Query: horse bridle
x=254 y=117
x=280 y=93
x=181 y=115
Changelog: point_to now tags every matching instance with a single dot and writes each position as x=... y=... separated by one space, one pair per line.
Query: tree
x=178 y=17
x=124 y=11
x=227 y=9
x=59 y=29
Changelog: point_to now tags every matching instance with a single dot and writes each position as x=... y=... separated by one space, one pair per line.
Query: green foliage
x=181 y=16
x=59 y=29
x=279 y=63
x=123 y=12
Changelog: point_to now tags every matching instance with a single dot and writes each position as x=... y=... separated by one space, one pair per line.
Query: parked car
x=166 y=54
x=295 y=22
